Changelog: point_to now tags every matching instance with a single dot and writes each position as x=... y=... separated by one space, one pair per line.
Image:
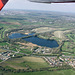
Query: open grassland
x=27 y=51
x=0 y=60
x=43 y=29
x=3 y=44
x=71 y=37
x=68 y=48
x=1 y=50
x=62 y=72
x=25 y=62
x=69 y=45
x=59 y=34
x=6 y=27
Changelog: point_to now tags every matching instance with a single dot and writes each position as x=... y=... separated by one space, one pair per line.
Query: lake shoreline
x=35 y=40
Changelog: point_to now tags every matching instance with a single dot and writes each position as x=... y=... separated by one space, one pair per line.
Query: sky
x=26 y=5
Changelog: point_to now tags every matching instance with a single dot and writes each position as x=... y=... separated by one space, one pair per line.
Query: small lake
x=35 y=40
x=16 y=35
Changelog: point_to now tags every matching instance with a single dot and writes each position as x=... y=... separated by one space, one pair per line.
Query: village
x=5 y=55
x=51 y=60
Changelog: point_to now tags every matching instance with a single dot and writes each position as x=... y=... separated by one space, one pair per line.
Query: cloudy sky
x=24 y=4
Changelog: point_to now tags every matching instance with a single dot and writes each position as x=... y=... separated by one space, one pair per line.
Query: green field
x=68 y=48
x=0 y=60
x=3 y=44
x=71 y=37
x=25 y=62
x=62 y=72
x=26 y=51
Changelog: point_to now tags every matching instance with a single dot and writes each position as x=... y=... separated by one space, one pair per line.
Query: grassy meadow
x=25 y=62
x=62 y=72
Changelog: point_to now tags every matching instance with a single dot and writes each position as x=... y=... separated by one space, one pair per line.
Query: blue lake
x=16 y=35
x=36 y=40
